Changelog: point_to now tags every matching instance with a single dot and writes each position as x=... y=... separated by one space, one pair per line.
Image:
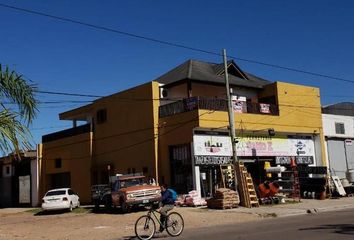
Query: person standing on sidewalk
x=166 y=204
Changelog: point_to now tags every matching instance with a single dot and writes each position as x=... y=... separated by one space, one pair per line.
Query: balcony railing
x=194 y=103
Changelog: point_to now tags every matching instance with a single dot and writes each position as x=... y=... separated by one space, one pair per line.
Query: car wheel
x=71 y=207
x=125 y=208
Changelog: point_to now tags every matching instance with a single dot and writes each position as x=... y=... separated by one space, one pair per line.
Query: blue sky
x=316 y=36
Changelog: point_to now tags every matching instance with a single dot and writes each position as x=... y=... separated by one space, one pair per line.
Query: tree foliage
x=18 y=109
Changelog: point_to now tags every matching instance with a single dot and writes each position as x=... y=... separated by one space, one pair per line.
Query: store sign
x=283 y=160
x=264 y=108
x=237 y=106
x=212 y=145
x=212 y=160
x=212 y=149
x=190 y=103
x=278 y=146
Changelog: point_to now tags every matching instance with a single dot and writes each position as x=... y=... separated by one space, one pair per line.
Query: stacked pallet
x=224 y=198
x=246 y=188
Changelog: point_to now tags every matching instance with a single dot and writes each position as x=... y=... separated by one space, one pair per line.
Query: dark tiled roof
x=211 y=72
x=343 y=108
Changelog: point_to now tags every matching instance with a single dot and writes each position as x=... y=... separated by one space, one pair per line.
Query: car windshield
x=53 y=193
x=131 y=182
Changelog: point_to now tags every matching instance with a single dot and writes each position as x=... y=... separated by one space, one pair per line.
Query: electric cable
x=116 y=31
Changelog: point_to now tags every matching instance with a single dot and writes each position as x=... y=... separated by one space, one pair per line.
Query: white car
x=61 y=198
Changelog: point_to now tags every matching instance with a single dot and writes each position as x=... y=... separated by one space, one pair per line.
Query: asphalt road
x=330 y=225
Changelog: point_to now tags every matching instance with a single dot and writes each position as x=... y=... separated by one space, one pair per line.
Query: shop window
x=101 y=116
x=58 y=163
x=339 y=128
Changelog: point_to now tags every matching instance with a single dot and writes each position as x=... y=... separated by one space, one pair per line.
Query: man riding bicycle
x=166 y=204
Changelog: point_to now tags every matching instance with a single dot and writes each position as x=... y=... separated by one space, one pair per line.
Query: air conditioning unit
x=163 y=93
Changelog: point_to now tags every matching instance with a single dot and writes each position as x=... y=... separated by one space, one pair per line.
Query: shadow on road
x=114 y=210
x=87 y=209
x=337 y=228
x=156 y=236
x=53 y=212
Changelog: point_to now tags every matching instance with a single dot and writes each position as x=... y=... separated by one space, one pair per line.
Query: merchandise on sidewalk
x=224 y=198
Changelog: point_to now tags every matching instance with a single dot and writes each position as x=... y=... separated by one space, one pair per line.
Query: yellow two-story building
x=175 y=129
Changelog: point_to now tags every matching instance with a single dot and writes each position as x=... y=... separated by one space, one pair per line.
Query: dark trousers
x=164 y=210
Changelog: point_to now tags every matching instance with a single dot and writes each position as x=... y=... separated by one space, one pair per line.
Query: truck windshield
x=131 y=182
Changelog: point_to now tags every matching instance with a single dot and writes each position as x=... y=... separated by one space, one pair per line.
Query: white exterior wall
x=329 y=121
x=339 y=155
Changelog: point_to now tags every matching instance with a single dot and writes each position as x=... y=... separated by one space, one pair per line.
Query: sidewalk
x=306 y=206
x=278 y=210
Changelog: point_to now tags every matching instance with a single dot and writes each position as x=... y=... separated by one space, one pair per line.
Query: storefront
x=212 y=149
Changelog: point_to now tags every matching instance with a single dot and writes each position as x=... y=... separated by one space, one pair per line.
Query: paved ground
x=322 y=226
x=17 y=224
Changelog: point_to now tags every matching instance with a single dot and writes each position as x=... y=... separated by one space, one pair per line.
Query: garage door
x=336 y=157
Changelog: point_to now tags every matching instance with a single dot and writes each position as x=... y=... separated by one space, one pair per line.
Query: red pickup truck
x=127 y=191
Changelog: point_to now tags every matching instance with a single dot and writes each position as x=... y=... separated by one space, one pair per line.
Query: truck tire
x=124 y=207
x=107 y=203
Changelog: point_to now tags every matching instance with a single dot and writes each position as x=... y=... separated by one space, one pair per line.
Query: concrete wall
x=329 y=121
x=126 y=140
x=75 y=155
x=299 y=113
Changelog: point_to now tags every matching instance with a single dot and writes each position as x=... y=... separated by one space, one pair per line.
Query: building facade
x=19 y=180
x=175 y=129
x=338 y=126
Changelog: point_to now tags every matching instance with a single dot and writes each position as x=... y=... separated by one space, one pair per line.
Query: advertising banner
x=212 y=145
x=216 y=150
x=275 y=146
x=237 y=106
x=212 y=149
x=264 y=108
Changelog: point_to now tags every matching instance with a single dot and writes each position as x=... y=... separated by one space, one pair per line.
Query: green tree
x=18 y=109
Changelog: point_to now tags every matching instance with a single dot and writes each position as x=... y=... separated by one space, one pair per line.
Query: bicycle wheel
x=175 y=224
x=145 y=228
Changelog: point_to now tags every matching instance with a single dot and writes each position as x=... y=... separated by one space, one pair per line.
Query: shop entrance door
x=181 y=168
x=209 y=180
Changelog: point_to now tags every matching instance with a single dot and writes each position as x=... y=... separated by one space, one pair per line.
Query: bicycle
x=145 y=226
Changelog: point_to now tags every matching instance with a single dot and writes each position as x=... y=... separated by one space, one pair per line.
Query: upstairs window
x=101 y=116
x=339 y=128
x=58 y=163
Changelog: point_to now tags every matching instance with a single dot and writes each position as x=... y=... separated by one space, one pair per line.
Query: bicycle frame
x=153 y=213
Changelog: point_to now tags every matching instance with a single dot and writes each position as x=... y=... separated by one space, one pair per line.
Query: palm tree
x=18 y=108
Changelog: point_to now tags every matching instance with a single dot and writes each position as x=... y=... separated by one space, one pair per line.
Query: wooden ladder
x=225 y=171
x=247 y=192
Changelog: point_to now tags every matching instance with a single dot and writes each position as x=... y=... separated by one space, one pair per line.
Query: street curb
x=318 y=210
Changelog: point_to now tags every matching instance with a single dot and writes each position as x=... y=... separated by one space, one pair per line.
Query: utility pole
x=231 y=117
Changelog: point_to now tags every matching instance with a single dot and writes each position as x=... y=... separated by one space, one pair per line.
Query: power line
x=178 y=125
x=112 y=30
x=67 y=94
x=50 y=127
